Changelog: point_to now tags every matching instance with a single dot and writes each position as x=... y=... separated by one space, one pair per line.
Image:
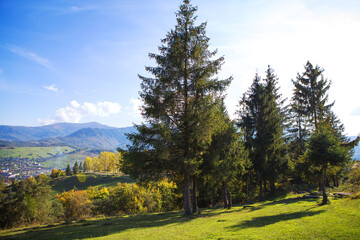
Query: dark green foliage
x=308 y=108
x=275 y=120
x=309 y=111
x=323 y=151
x=76 y=168
x=180 y=104
x=311 y=94
x=226 y=160
x=81 y=168
x=26 y=202
x=262 y=118
x=68 y=170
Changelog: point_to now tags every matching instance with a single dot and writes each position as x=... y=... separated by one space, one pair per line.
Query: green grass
x=291 y=218
x=48 y=153
x=33 y=152
x=82 y=181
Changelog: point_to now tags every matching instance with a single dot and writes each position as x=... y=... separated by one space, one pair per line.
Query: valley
x=23 y=153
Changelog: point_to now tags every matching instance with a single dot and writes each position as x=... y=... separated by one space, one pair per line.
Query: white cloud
x=31 y=56
x=51 y=88
x=135 y=110
x=46 y=121
x=75 y=112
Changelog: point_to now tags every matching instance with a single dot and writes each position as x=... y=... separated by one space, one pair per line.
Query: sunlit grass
x=89 y=179
x=33 y=152
x=291 y=218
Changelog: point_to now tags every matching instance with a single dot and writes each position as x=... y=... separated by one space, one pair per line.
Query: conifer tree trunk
x=265 y=188
x=260 y=187
x=325 y=197
x=213 y=197
x=194 y=194
x=187 y=202
x=272 y=186
x=225 y=198
x=230 y=201
x=247 y=188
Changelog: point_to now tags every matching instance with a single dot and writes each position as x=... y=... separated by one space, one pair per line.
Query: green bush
x=26 y=202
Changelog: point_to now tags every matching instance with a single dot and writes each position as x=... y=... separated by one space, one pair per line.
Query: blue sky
x=78 y=61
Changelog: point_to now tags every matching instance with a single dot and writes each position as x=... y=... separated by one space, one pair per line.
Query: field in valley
x=34 y=152
x=50 y=157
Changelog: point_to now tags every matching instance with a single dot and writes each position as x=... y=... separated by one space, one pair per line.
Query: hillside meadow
x=289 y=217
x=83 y=181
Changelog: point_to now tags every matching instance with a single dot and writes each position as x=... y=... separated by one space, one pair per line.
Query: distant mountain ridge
x=92 y=138
x=20 y=133
x=78 y=135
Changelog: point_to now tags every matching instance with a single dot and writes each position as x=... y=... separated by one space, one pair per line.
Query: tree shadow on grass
x=289 y=201
x=108 y=226
x=102 y=227
x=268 y=220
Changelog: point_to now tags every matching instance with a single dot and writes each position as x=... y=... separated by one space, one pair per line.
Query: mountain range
x=77 y=135
x=91 y=135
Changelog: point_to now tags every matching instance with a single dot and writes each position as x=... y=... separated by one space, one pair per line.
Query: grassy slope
x=296 y=218
x=81 y=182
x=33 y=152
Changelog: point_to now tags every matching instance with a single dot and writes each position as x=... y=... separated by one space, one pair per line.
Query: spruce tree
x=68 y=170
x=76 y=168
x=251 y=121
x=311 y=95
x=275 y=120
x=81 y=168
x=262 y=118
x=309 y=110
x=179 y=105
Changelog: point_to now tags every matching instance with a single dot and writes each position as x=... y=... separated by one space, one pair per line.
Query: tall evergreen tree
x=275 y=120
x=180 y=104
x=311 y=95
x=262 y=119
x=252 y=116
x=76 y=168
x=309 y=110
x=68 y=170
x=81 y=168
